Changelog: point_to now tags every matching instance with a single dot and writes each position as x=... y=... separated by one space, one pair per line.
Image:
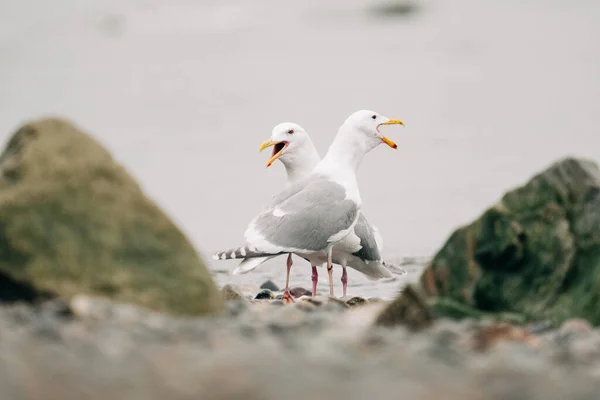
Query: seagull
x=310 y=217
x=293 y=146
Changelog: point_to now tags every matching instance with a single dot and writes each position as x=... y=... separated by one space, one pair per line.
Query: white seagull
x=316 y=215
x=293 y=146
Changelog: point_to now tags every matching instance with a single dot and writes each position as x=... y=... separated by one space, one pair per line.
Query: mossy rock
x=73 y=221
x=535 y=253
x=443 y=307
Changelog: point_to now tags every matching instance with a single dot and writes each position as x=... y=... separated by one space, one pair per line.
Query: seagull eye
x=290 y=131
x=374 y=117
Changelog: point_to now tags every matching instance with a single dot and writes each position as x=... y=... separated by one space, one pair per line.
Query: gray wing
x=290 y=191
x=369 y=249
x=305 y=220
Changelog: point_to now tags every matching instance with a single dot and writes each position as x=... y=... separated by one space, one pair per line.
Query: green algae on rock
x=73 y=221
x=444 y=307
x=536 y=253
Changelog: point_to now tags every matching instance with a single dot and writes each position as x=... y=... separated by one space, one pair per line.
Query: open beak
x=385 y=139
x=278 y=149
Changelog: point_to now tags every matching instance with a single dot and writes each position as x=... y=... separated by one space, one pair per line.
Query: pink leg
x=287 y=297
x=315 y=279
x=344 y=280
x=330 y=272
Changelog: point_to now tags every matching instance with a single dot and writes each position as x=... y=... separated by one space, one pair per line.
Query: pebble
x=313 y=300
x=354 y=301
x=264 y=294
x=270 y=285
x=229 y=293
x=299 y=291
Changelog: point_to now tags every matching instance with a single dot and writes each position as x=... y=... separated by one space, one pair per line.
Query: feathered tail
x=394 y=269
x=241 y=252
x=249 y=264
x=250 y=256
x=372 y=270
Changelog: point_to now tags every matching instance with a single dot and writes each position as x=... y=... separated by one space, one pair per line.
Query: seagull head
x=286 y=139
x=367 y=123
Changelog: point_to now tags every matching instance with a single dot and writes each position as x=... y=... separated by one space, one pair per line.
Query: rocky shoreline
x=92 y=348
x=102 y=296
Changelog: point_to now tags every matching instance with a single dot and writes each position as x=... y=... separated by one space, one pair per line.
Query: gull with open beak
x=294 y=148
x=317 y=214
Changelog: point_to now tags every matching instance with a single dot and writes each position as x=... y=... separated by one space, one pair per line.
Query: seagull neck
x=300 y=164
x=345 y=153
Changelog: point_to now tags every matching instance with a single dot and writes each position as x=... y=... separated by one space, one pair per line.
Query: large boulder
x=72 y=221
x=535 y=253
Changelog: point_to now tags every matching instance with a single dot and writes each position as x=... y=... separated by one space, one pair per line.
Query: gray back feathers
x=307 y=215
x=369 y=249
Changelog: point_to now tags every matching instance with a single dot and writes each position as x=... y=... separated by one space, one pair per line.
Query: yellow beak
x=269 y=143
x=394 y=122
x=385 y=139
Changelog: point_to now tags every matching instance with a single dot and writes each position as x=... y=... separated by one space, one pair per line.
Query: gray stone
x=73 y=221
x=355 y=301
x=535 y=253
x=299 y=291
x=229 y=293
x=270 y=285
x=264 y=294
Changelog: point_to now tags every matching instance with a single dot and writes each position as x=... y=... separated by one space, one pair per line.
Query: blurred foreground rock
x=536 y=253
x=73 y=221
x=120 y=351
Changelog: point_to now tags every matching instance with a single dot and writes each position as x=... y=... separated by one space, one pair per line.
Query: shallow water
x=184 y=93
